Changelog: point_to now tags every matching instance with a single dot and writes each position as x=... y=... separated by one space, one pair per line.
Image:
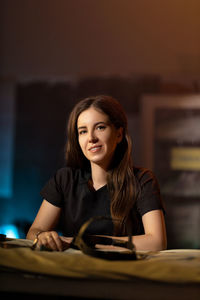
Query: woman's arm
x=45 y=221
x=154 y=238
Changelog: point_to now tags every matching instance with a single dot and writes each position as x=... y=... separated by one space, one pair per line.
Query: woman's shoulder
x=144 y=174
x=149 y=191
x=73 y=174
x=61 y=183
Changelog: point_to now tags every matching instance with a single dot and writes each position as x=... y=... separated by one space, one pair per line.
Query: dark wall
x=40 y=134
x=78 y=39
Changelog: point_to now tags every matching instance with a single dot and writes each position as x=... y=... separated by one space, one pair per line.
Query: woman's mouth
x=95 y=149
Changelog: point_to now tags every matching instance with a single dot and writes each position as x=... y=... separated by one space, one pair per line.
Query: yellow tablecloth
x=174 y=266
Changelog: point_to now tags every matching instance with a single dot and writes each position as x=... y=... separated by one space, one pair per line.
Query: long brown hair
x=120 y=181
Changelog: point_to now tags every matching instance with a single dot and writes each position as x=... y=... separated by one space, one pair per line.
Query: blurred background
x=53 y=53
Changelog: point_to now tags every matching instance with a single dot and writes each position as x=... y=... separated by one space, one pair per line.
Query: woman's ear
x=120 y=134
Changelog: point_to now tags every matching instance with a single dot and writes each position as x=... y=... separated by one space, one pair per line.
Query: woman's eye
x=82 y=132
x=101 y=127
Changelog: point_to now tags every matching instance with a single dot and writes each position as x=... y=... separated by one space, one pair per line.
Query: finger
x=57 y=240
x=66 y=239
x=42 y=240
x=66 y=242
x=51 y=243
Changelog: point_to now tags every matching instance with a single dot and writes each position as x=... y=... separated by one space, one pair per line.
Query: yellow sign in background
x=185 y=158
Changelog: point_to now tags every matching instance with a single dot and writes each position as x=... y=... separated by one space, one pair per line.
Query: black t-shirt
x=69 y=190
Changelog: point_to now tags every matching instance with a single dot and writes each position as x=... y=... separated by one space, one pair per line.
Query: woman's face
x=97 y=137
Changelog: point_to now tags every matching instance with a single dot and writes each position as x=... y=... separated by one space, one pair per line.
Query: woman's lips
x=95 y=149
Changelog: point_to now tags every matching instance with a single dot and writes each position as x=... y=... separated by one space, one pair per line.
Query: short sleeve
x=53 y=190
x=150 y=198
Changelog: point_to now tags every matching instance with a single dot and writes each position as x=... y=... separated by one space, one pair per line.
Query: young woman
x=100 y=180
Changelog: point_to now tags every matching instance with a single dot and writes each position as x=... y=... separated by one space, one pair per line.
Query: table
x=170 y=274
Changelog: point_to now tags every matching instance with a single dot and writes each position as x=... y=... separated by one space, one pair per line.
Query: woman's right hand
x=47 y=219
x=51 y=240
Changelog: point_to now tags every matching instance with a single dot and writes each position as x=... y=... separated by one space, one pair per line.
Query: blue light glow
x=9 y=230
x=7 y=123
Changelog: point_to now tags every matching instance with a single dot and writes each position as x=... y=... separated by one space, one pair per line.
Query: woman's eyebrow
x=81 y=127
x=95 y=124
x=101 y=122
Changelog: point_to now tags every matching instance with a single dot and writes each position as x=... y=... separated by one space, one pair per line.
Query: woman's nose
x=92 y=137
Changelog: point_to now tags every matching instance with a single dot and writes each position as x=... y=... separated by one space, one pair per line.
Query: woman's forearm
x=146 y=242
x=32 y=233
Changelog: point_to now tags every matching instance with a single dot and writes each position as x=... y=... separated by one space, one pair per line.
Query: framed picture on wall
x=171 y=142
